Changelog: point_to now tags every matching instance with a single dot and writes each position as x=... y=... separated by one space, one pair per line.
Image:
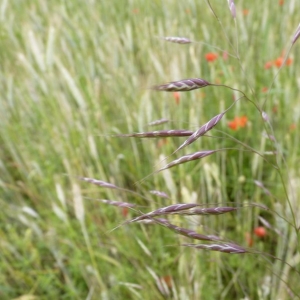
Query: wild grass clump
x=84 y=84
x=190 y=84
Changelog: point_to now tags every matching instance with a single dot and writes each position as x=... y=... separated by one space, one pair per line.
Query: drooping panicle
x=185 y=209
x=183 y=85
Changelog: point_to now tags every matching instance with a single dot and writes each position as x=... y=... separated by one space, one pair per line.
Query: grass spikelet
x=167 y=210
x=184 y=209
x=111 y=186
x=117 y=203
x=232 y=8
x=261 y=185
x=213 y=210
x=99 y=182
x=186 y=158
x=158 y=122
x=225 y=247
x=159 y=194
x=186 y=232
x=268 y=225
x=296 y=35
x=158 y=133
x=177 y=39
x=183 y=85
x=201 y=131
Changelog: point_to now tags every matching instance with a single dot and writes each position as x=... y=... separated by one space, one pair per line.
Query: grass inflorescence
x=75 y=81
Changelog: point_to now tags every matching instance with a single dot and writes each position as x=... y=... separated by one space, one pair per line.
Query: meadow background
x=72 y=73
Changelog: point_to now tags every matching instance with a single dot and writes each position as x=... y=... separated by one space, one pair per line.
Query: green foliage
x=73 y=73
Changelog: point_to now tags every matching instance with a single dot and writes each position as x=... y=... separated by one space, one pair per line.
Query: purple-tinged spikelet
x=159 y=194
x=184 y=209
x=296 y=35
x=186 y=232
x=177 y=40
x=186 y=158
x=183 y=85
x=201 y=131
x=232 y=8
x=158 y=122
x=118 y=203
x=159 y=133
x=99 y=182
x=226 y=247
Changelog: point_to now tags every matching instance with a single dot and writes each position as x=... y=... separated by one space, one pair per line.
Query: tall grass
x=73 y=75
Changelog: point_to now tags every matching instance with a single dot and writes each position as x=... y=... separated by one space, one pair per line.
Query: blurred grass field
x=73 y=73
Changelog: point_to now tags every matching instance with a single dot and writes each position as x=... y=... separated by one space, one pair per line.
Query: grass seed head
x=159 y=133
x=296 y=35
x=183 y=85
x=187 y=158
x=201 y=131
x=232 y=8
x=177 y=40
x=225 y=247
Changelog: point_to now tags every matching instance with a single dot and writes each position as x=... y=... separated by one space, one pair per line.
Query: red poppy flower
x=279 y=62
x=238 y=122
x=176 y=96
x=260 y=231
x=268 y=65
x=211 y=56
x=124 y=211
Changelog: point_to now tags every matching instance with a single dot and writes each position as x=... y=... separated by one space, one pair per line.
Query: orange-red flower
x=289 y=61
x=293 y=127
x=260 y=231
x=268 y=65
x=162 y=142
x=176 y=96
x=281 y=2
x=211 y=56
x=124 y=211
x=238 y=122
x=264 y=89
x=245 y=12
x=280 y=60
